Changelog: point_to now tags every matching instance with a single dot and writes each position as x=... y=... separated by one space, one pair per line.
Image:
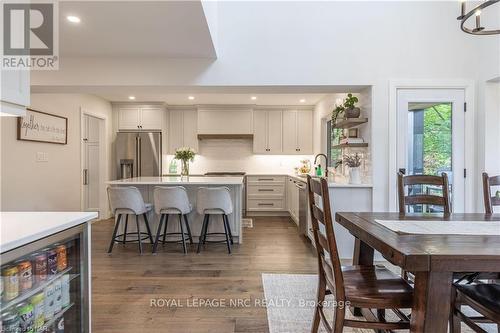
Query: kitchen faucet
x=326 y=161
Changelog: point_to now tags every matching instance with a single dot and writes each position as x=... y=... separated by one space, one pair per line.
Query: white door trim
x=470 y=137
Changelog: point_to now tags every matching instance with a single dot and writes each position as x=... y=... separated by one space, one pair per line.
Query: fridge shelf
x=54 y=319
x=37 y=289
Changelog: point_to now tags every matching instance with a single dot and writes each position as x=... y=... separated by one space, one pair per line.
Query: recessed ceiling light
x=191 y=97
x=253 y=98
x=302 y=100
x=73 y=19
x=131 y=97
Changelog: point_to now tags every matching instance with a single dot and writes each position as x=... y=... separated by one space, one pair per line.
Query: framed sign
x=42 y=127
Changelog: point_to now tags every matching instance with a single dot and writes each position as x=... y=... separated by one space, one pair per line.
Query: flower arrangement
x=185 y=155
x=353 y=160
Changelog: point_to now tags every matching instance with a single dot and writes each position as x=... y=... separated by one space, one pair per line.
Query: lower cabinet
x=293 y=199
x=266 y=193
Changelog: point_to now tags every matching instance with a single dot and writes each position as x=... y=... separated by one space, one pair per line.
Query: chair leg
x=228 y=228
x=138 y=233
x=455 y=322
x=338 y=323
x=206 y=230
x=125 y=233
x=110 y=249
x=158 y=231
x=320 y=298
x=182 y=234
x=147 y=228
x=165 y=229
x=228 y=242
x=200 y=239
x=188 y=229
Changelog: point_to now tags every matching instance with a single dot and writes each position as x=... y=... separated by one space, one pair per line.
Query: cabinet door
x=290 y=132
x=289 y=184
x=190 y=129
x=128 y=118
x=274 y=131
x=304 y=132
x=260 y=136
x=15 y=87
x=151 y=118
x=175 y=131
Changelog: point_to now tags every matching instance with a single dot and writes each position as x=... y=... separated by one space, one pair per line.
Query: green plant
x=353 y=160
x=339 y=109
x=185 y=154
x=350 y=101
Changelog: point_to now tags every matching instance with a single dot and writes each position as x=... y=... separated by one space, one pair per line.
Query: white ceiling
x=171 y=29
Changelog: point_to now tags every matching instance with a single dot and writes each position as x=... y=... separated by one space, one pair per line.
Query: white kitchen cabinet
x=267 y=132
x=151 y=118
x=182 y=130
x=293 y=199
x=266 y=193
x=297 y=132
x=225 y=121
x=140 y=118
x=14 y=91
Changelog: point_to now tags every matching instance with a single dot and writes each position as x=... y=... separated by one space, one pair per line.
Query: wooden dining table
x=432 y=258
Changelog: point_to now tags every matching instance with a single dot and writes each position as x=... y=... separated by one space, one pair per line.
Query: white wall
x=27 y=185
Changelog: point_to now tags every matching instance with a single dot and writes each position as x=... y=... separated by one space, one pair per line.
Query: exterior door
x=430 y=139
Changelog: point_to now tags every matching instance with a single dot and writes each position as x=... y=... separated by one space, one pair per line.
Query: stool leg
x=138 y=233
x=188 y=229
x=125 y=233
x=228 y=242
x=158 y=231
x=200 y=239
x=182 y=234
x=228 y=228
x=165 y=229
x=206 y=230
x=147 y=227
x=114 y=233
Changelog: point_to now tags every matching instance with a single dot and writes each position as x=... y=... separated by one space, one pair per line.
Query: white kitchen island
x=146 y=186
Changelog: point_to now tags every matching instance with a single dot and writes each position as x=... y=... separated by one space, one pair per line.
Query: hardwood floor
x=125 y=284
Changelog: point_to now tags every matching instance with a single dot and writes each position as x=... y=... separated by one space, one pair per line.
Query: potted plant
x=351 y=110
x=339 y=109
x=185 y=155
x=353 y=161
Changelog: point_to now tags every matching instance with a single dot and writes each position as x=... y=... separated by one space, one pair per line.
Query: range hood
x=225 y=123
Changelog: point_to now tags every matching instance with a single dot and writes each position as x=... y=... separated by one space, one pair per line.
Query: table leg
x=363 y=255
x=431 y=303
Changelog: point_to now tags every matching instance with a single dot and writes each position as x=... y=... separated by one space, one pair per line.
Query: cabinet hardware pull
x=266 y=204
x=266 y=190
x=85 y=176
x=269 y=179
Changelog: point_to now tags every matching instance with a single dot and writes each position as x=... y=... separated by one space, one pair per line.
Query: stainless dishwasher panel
x=303 y=207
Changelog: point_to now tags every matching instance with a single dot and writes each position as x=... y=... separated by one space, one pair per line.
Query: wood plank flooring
x=125 y=283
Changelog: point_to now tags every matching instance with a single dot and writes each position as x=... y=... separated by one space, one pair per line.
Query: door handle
x=85 y=176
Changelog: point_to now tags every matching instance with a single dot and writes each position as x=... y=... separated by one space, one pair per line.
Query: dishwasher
x=303 y=207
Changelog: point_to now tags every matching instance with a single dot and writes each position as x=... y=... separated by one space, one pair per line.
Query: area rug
x=290 y=304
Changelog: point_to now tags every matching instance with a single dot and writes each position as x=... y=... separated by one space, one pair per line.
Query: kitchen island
x=146 y=186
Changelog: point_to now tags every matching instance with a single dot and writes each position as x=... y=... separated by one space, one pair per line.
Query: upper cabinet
x=225 y=121
x=140 y=118
x=182 y=130
x=267 y=133
x=15 y=91
x=297 y=132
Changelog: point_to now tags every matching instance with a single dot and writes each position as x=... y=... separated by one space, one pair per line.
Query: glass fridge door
x=44 y=285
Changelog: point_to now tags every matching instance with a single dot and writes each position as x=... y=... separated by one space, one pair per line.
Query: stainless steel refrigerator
x=138 y=154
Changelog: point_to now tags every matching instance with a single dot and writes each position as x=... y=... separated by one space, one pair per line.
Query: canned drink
x=10 y=322
x=57 y=296
x=62 y=257
x=40 y=267
x=26 y=317
x=38 y=310
x=25 y=275
x=52 y=262
x=59 y=327
x=49 y=301
x=10 y=275
x=65 y=290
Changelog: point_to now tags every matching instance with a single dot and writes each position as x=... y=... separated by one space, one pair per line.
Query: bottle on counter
x=319 y=171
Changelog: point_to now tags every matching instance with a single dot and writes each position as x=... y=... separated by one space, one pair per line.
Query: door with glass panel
x=430 y=141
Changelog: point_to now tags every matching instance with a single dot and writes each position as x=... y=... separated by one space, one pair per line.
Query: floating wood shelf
x=350 y=122
x=351 y=145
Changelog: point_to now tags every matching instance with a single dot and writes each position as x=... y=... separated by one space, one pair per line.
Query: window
x=332 y=139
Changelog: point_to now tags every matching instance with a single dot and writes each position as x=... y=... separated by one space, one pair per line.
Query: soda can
x=10 y=322
x=38 y=310
x=40 y=267
x=65 y=290
x=62 y=257
x=25 y=275
x=26 y=317
x=57 y=296
x=49 y=301
x=52 y=262
x=10 y=275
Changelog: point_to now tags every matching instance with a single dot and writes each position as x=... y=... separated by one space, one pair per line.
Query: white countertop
x=331 y=183
x=21 y=228
x=177 y=180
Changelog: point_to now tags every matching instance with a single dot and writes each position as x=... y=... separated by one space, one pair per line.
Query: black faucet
x=326 y=161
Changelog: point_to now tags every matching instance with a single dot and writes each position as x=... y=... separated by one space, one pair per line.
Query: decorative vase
x=354 y=176
x=352 y=112
x=185 y=168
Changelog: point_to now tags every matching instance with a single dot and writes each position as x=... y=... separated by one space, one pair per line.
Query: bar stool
x=172 y=201
x=128 y=201
x=214 y=201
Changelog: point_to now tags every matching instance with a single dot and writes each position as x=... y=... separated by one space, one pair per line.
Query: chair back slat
x=318 y=214
x=405 y=200
x=323 y=242
x=489 y=199
x=315 y=187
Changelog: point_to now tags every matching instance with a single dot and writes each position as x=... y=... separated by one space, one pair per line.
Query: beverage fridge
x=45 y=285
x=138 y=154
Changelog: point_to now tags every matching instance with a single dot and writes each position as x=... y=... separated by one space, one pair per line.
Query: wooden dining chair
x=483 y=298
x=489 y=200
x=423 y=199
x=365 y=287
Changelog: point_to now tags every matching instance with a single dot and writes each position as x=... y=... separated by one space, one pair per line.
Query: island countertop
x=21 y=228
x=178 y=180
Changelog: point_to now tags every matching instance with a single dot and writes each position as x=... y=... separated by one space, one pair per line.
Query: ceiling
x=171 y=29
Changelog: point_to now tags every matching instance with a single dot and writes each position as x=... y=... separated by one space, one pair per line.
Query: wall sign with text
x=42 y=127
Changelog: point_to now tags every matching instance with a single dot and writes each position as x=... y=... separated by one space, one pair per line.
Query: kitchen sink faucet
x=326 y=162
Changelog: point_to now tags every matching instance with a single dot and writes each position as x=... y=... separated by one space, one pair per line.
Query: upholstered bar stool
x=128 y=201
x=214 y=201
x=172 y=201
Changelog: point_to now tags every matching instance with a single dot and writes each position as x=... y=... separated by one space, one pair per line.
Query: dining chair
x=412 y=181
x=483 y=298
x=365 y=287
x=489 y=200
